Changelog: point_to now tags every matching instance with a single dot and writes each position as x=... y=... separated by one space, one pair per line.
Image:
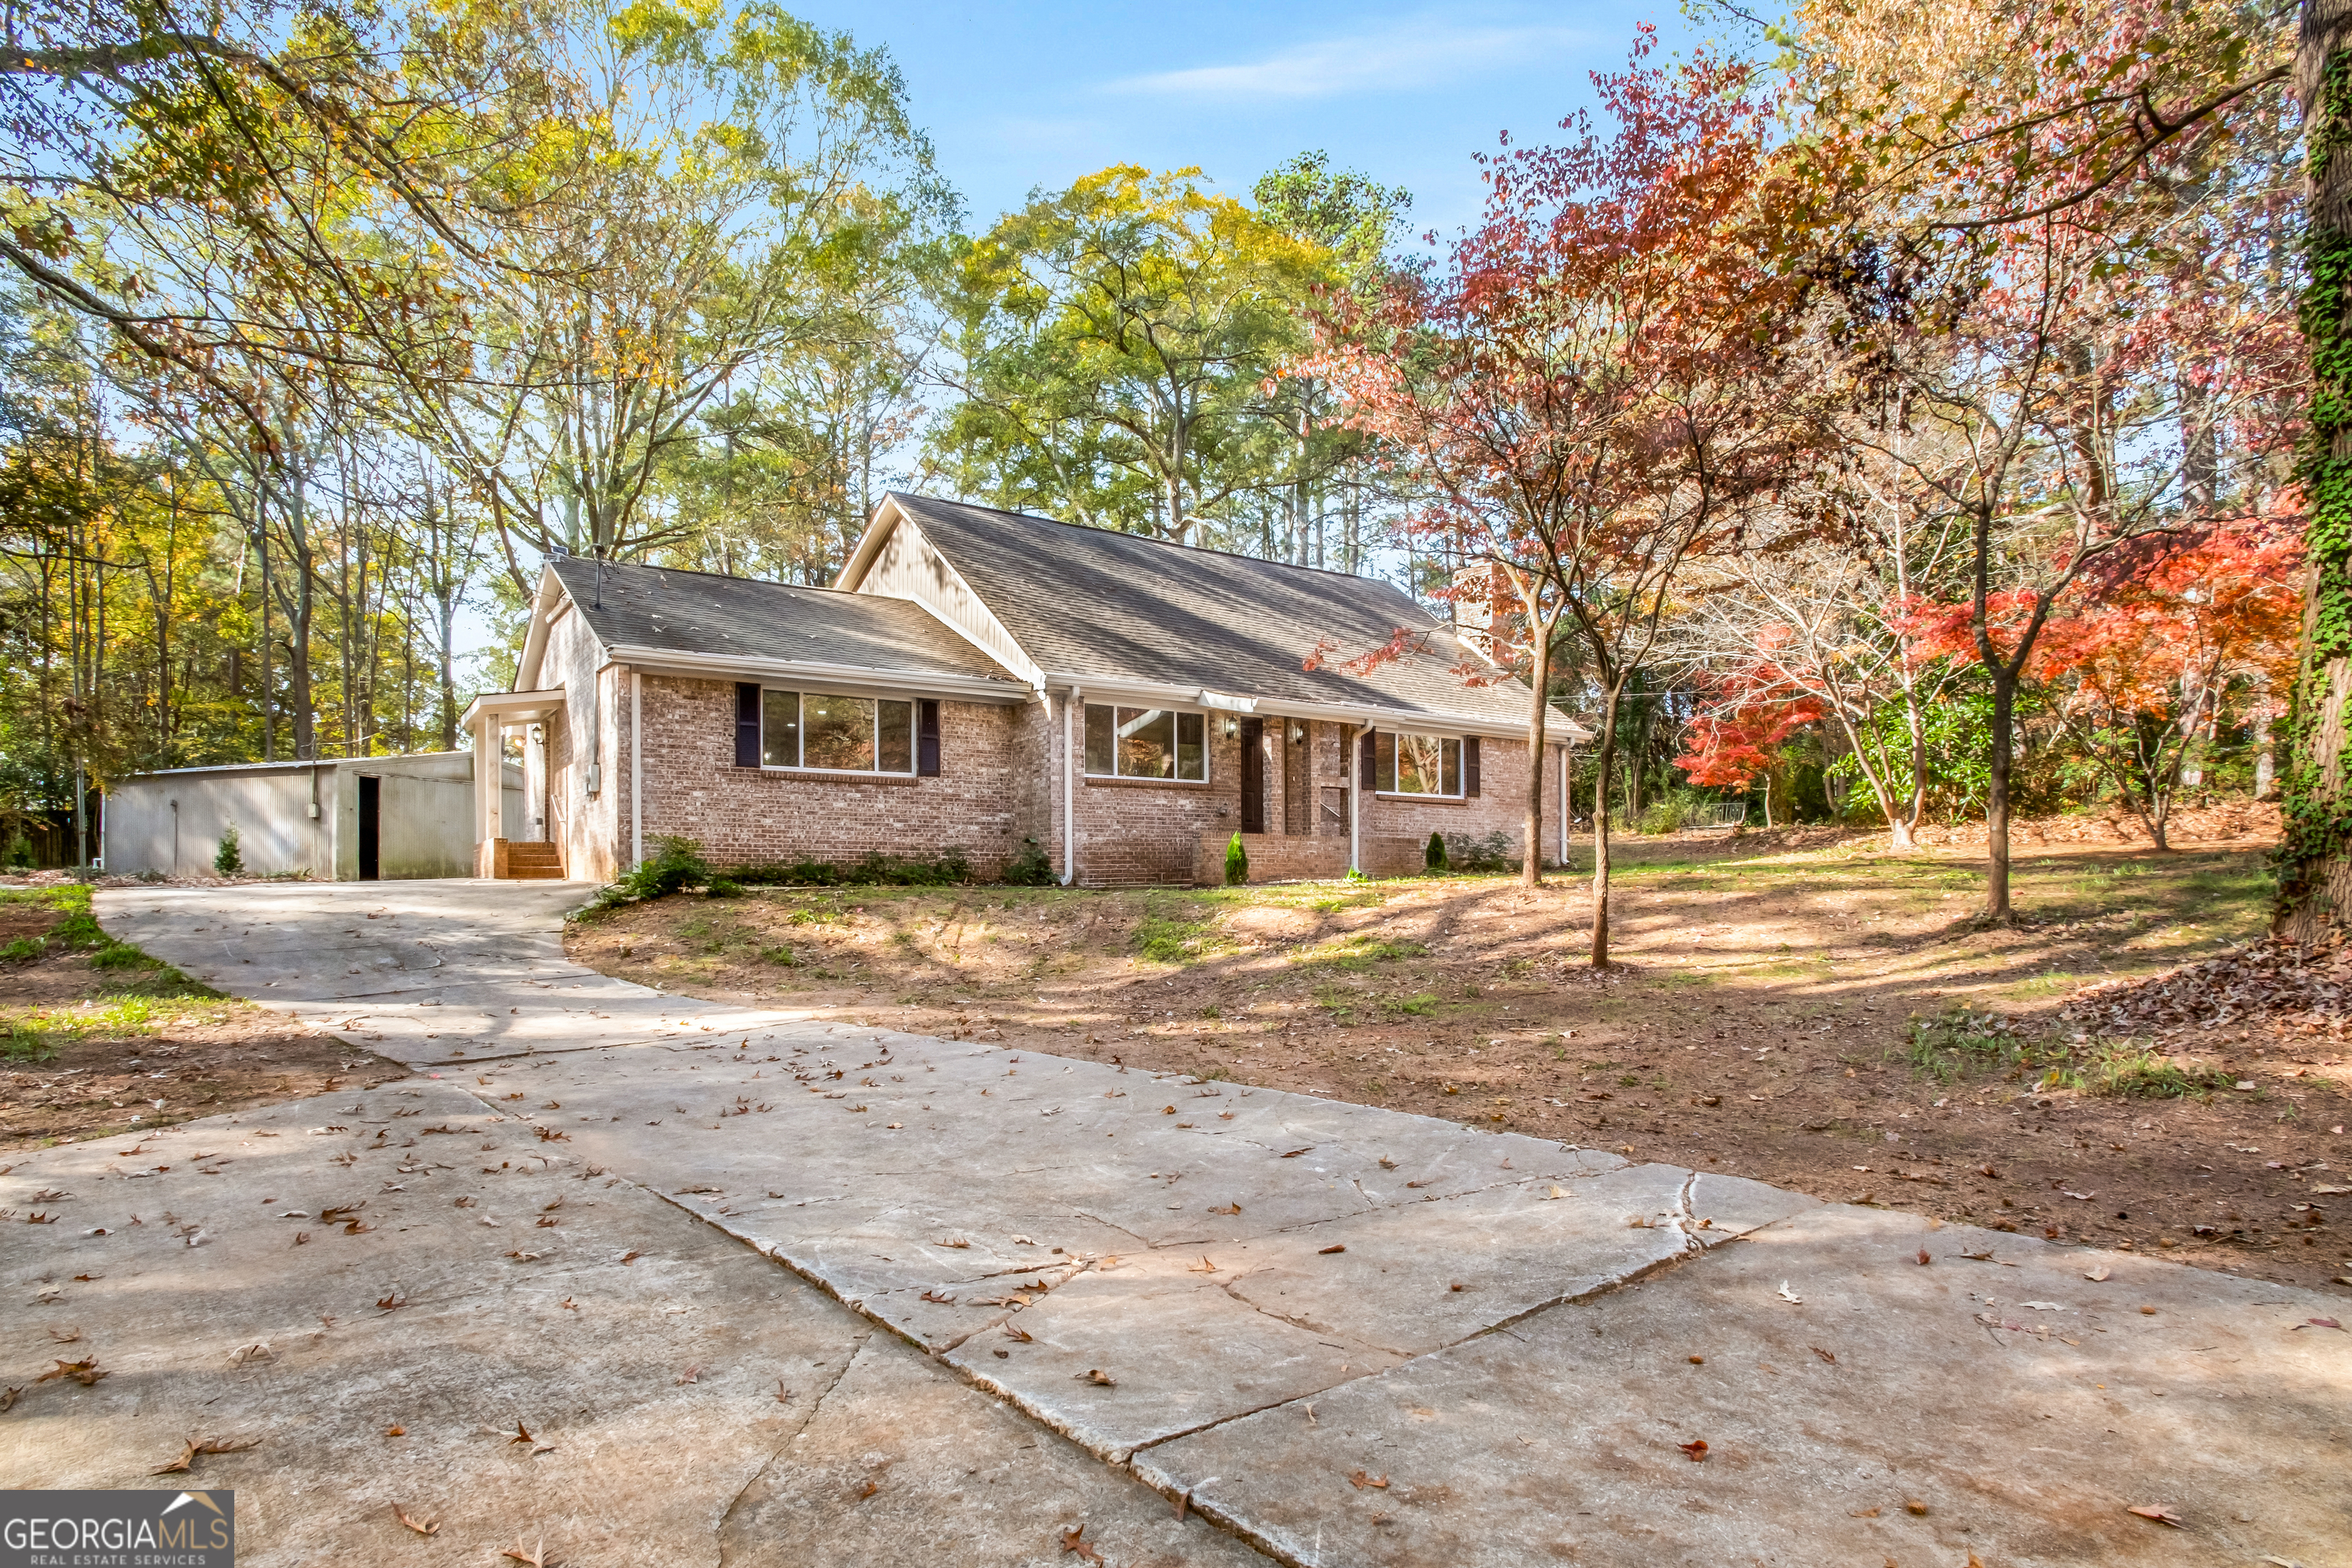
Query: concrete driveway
x=791 y=1291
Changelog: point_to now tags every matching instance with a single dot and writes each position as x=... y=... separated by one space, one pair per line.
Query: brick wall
x=748 y=816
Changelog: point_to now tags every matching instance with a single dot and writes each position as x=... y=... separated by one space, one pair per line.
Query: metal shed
x=342 y=819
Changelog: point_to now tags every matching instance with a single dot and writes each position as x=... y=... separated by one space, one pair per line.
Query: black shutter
x=1470 y=765
x=1366 y=763
x=747 y=724
x=926 y=737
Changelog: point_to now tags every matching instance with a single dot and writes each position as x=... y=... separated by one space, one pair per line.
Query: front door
x=370 y=813
x=1253 y=775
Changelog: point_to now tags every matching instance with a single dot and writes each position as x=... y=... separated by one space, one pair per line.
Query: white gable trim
x=895 y=559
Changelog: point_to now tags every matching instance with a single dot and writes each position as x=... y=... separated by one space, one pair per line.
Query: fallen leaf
x=196 y=1446
x=427 y=1528
x=1787 y=1295
x=1924 y=1258
x=536 y=1557
x=1915 y=1507
x=86 y=1372
x=869 y=1489
x=1019 y=1335
x=522 y=1434
x=65 y=1336
x=1294 y=1154
x=1320 y=1252
x=1823 y=1354
x=936 y=1296
x=392 y=1302
x=2101 y=1272
x=2160 y=1513
x=1361 y=1480
x=1074 y=1541
x=2320 y=1323
x=1864 y=1513
x=396 y=1431
x=1694 y=1450
x=8 y=1398
x=1099 y=1377
x=1229 y=1208
x=631 y=1257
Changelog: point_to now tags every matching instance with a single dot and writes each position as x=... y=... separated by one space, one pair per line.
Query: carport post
x=490 y=780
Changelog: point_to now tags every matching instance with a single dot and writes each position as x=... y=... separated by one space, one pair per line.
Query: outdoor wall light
x=1233 y=728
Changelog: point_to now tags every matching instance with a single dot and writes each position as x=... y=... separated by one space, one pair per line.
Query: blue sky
x=1017 y=96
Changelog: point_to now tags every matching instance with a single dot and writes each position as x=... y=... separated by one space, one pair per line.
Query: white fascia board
x=1105 y=688
x=544 y=601
x=851 y=679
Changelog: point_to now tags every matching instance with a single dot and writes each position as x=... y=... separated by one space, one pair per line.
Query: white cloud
x=1422 y=53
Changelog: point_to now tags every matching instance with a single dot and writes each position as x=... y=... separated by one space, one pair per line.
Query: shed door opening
x=1253 y=775
x=371 y=809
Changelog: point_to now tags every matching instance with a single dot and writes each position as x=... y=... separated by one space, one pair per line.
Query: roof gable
x=1090 y=604
x=657 y=610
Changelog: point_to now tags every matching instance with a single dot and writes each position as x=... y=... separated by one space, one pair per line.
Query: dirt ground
x=1761 y=1018
x=89 y=1051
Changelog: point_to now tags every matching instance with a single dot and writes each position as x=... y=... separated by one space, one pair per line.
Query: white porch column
x=1355 y=775
x=490 y=790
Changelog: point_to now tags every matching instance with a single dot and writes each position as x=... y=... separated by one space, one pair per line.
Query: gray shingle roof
x=701 y=613
x=1089 y=602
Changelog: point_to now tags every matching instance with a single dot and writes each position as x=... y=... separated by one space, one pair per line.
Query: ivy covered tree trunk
x=2315 y=856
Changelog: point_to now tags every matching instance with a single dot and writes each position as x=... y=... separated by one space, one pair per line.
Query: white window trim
x=1208 y=750
x=1461 y=767
x=914 y=735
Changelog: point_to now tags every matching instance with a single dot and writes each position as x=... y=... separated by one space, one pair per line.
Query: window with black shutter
x=747 y=724
x=926 y=737
x=1470 y=766
x=1366 y=763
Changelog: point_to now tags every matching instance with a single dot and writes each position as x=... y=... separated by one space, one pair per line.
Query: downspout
x=1069 y=791
x=637 y=769
x=1563 y=808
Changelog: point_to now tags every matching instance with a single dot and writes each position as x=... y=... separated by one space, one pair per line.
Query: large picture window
x=839 y=735
x=1146 y=743
x=1417 y=764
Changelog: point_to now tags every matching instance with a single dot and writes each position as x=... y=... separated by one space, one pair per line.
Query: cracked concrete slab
x=1416 y=1279
x=2022 y=1433
x=1134 y=1350
x=901 y=1467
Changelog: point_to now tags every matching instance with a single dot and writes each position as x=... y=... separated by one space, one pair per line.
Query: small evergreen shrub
x=228 y=859
x=1236 y=863
x=1030 y=868
x=1432 y=855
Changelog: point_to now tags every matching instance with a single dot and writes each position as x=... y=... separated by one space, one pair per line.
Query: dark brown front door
x=1253 y=775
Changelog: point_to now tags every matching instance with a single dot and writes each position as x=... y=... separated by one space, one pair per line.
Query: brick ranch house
x=980 y=679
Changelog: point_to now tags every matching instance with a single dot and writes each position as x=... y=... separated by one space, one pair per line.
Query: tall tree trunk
x=1540 y=713
x=1606 y=757
x=2004 y=724
x=2315 y=856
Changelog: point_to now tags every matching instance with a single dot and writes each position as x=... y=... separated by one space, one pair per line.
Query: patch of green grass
x=25 y=947
x=1357 y=951
x=1163 y=939
x=2133 y=1072
x=779 y=956
x=1420 y=1006
x=25 y=1043
x=1963 y=1042
x=1337 y=1001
